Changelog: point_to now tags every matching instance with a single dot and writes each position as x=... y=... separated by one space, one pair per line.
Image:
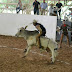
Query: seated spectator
x=51 y=10
x=70 y=14
x=55 y=11
x=19 y=7
x=43 y=6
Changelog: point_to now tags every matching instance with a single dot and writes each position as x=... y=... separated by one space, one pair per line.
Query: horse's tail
x=56 y=52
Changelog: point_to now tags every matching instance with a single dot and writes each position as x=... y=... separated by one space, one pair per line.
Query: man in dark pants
x=42 y=31
x=64 y=33
x=59 y=5
x=36 y=7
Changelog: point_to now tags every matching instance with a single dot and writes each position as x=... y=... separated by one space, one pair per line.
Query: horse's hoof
x=51 y=61
x=25 y=50
x=47 y=49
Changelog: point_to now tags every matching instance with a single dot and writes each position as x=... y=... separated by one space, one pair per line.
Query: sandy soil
x=11 y=53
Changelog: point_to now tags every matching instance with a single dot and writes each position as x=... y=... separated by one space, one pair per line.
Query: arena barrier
x=10 y=23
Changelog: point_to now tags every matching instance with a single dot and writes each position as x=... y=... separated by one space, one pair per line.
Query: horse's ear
x=26 y=27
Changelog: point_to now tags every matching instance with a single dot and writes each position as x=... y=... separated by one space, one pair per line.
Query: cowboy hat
x=34 y=21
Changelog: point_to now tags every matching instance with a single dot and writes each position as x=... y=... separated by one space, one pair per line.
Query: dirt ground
x=11 y=53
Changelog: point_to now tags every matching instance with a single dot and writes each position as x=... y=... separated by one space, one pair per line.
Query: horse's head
x=20 y=32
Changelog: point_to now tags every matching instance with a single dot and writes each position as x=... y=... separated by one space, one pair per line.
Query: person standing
x=19 y=7
x=59 y=5
x=64 y=28
x=36 y=7
x=43 y=6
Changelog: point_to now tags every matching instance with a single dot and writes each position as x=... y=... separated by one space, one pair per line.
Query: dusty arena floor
x=11 y=53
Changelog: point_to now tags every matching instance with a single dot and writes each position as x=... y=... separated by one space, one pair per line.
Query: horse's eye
x=20 y=30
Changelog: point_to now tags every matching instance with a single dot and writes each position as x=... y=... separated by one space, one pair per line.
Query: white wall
x=9 y=23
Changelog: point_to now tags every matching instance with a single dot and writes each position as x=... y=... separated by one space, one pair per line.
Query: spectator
x=70 y=14
x=64 y=28
x=36 y=7
x=65 y=17
x=43 y=6
x=55 y=11
x=59 y=5
x=51 y=10
x=19 y=7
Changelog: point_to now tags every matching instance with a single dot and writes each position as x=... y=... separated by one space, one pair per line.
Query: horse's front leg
x=53 y=58
x=27 y=50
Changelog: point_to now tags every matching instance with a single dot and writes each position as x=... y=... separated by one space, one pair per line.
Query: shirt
x=51 y=10
x=44 y=5
x=42 y=27
x=59 y=5
x=64 y=28
x=36 y=4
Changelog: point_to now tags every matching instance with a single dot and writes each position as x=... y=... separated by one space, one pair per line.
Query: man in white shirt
x=43 y=6
x=51 y=10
